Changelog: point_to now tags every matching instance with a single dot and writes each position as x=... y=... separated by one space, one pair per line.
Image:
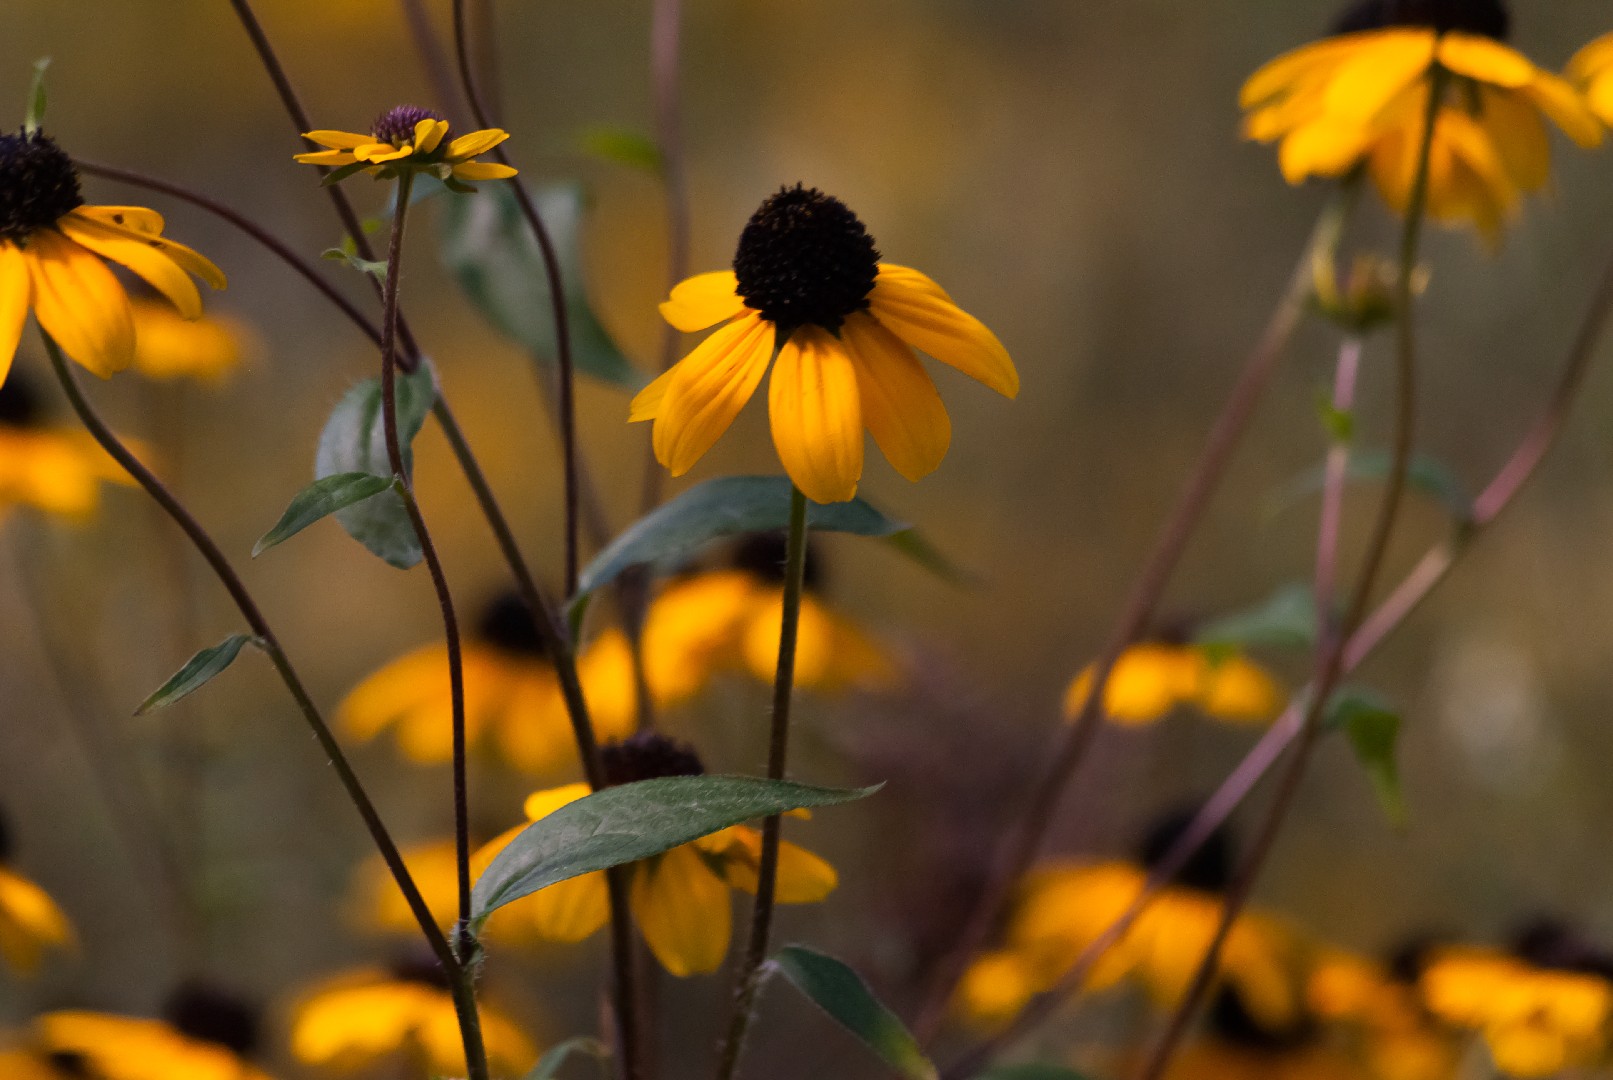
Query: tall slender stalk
x=748 y=980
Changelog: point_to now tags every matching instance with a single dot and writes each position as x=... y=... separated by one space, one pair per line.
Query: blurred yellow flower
x=414 y=139
x=1361 y=97
x=512 y=695
x=57 y=470
x=1380 y=1016
x=1151 y=679
x=30 y=921
x=51 y=252
x=808 y=287
x=377 y=904
x=20 y=1063
x=679 y=899
x=169 y=346
x=1591 y=70
x=1238 y=1046
x=207 y=1036
x=362 y=1018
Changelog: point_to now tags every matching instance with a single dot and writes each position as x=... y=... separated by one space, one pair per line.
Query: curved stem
x=270 y=644
x=748 y=980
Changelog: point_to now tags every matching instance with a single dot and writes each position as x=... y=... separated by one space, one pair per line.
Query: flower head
x=409 y=138
x=56 y=470
x=51 y=251
x=30 y=921
x=1153 y=678
x=205 y=1034
x=808 y=286
x=1360 y=97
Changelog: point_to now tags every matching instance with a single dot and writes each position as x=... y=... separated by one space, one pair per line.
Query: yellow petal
x=1566 y=108
x=703 y=301
x=384 y=696
x=541 y=804
x=472 y=171
x=1519 y=136
x=913 y=279
x=531 y=724
x=339 y=140
x=138 y=218
x=918 y=314
x=80 y=303
x=1368 y=82
x=379 y=152
x=1485 y=60
x=803 y=877
x=1322 y=148
x=646 y=403
x=1591 y=60
x=130 y=225
x=708 y=389
x=900 y=404
x=330 y=158
x=150 y=263
x=1277 y=76
x=817 y=416
x=475 y=143
x=569 y=910
x=1146 y=682
x=428 y=133
x=692 y=630
x=16 y=293
x=1239 y=691
x=30 y=923
x=605 y=667
x=683 y=910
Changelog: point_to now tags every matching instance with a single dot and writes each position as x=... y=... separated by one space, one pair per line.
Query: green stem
x=749 y=979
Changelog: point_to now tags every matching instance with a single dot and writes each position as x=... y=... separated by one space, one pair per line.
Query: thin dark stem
x=566 y=399
x=748 y=980
x=439 y=71
x=267 y=641
x=1030 y=827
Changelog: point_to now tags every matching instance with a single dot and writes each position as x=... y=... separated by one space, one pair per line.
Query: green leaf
x=1284 y=620
x=623 y=146
x=841 y=992
x=196 y=673
x=550 y=1062
x=624 y=824
x=730 y=505
x=1373 y=727
x=1031 y=1071
x=1338 y=423
x=489 y=248
x=354 y=441
x=319 y=499
x=376 y=268
x=1423 y=473
x=35 y=116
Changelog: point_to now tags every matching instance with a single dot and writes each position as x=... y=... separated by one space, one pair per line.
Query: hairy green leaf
x=197 y=672
x=841 y=992
x=320 y=499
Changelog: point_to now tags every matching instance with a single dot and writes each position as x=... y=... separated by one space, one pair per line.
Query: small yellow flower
x=51 y=252
x=168 y=346
x=807 y=286
x=362 y=1018
x=412 y=139
x=57 y=470
x=1361 y=97
x=30 y=921
x=206 y=1036
x=1591 y=70
x=1151 y=679
x=679 y=899
x=512 y=695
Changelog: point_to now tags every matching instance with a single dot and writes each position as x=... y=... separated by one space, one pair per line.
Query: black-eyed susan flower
x=31 y=923
x=1064 y=906
x=512 y=695
x=1153 y=678
x=168 y=346
x=1237 y=1045
x=680 y=899
x=366 y=1017
x=56 y=470
x=52 y=248
x=1375 y=1011
x=807 y=287
x=205 y=1035
x=1361 y=97
x=1591 y=71
x=409 y=139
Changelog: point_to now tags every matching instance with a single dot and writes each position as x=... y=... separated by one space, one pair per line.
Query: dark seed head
x=804 y=258
x=648 y=756
x=208 y=1013
x=421 y=968
x=762 y=555
x=396 y=125
x=1231 y=1020
x=508 y=624
x=1551 y=943
x=70 y=1063
x=1486 y=17
x=1408 y=959
x=1210 y=867
x=38 y=184
x=18 y=405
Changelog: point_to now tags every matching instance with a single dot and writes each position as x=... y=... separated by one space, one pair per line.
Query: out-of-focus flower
x=362 y=1018
x=411 y=139
x=23 y=1062
x=57 y=470
x=512 y=695
x=1238 y=1046
x=1591 y=70
x=680 y=899
x=1360 y=97
x=206 y=1035
x=51 y=252
x=30 y=921
x=169 y=346
x=1378 y=1013
x=1063 y=907
x=377 y=904
x=808 y=286
x=1152 y=678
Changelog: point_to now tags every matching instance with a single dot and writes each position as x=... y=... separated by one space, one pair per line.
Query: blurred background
x=1072 y=174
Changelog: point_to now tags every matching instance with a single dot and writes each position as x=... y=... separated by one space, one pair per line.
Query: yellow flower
x=1151 y=679
x=1380 y=1015
x=30 y=921
x=368 y=1016
x=1591 y=70
x=207 y=1036
x=679 y=899
x=167 y=346
x=808 y=286
x=512 y=695
x=1361 y=97
x=57 y=470
x=409 y=138
x=51 y=252
x=1237 y=1045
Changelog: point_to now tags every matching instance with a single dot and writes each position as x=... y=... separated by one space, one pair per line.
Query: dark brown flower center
x=1209 y=868
x=423 y=968
x=1485 y=17
x=762 y=555
x=508 y=624
x=18 y=405
x=38 y=184
x=805 y=259
x=1551 y=943
x=214 y=1015
x=648 y=756
x=396 y=126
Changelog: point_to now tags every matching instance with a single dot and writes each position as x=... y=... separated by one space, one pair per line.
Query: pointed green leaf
x=376 y=268
x=489 y=248
x=1373 y=727
x=196 y=673
x=556 y=1056
x=319 y=499
x=624 y=824
x=354 y=441
x=841 y=992
x=1423 y=473
x=35 y=115
x=623 y=146
x=730 y=505
x=1286 y=619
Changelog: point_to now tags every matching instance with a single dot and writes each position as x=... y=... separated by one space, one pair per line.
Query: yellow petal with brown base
x=80 y=304
x=16 y=295
x=914 y=309
x=816 y=415
x=683 y=910
x=703 y=301
x=900 y=404
x=707 y=389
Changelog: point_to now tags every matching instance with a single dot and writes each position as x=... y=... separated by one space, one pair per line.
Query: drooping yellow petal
x=692 y=629
x=1322 y=148
x=471 y=171
x=142 y=220
x=816 y=415
x=1592 y=60
x=707 y=390
x=16 y=294
x=914 y=312
x=1566 y=108
x=605 y=667
x=683 y=910
x=803 y=877
x=354 y=1020
x=540 y=804
x=1277 y=76
x=1368 y=81
x=167 y=346
x=646 y=403
x=531 y=725
x=900 y=404
x=475 y=143
x=150 y=263
x=30 y=923
x=377 y=903
x=1519 y=136
x=80 y=304
x=388 y=693
x=338 y=140
x=569 y=910
x=331 y=158
x=132 y=226
x=380 y=152
x=1485 y=60
x=703 y=301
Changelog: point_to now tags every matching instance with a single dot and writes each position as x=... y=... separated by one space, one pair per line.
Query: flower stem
x=748 y=981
